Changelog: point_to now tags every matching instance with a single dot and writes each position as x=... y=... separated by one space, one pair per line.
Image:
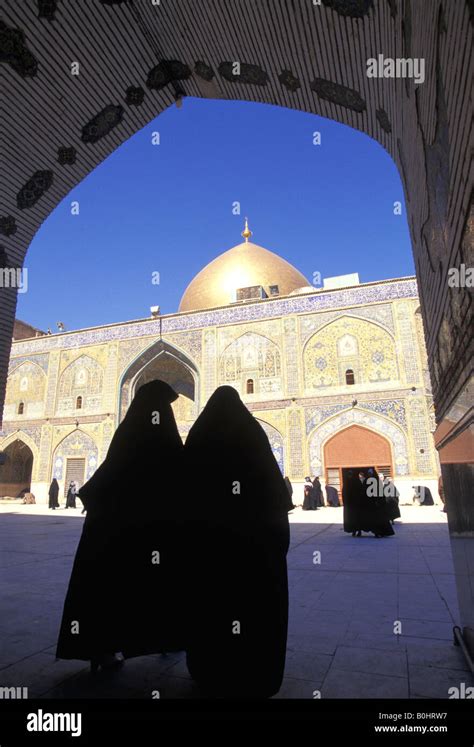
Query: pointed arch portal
x=16 y=467
x=166 y=362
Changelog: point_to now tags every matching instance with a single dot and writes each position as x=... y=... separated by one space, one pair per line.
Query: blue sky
x=168 y=208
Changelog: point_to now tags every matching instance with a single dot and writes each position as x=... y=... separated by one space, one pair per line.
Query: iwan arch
x=299 y=55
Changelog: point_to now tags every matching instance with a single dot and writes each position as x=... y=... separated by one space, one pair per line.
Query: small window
x=250 y=389
x=274 y=291
x=21 y=408
x=350 y=379
x=79 y=403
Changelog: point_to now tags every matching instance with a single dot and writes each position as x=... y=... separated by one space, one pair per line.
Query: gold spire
x=246 y=233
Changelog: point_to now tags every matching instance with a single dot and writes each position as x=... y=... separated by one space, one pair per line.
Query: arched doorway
x=74 y=458
x=167 y=363
x=16 y=466
x=355 y=447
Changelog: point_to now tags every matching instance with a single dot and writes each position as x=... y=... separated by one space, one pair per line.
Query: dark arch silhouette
x=16 y=468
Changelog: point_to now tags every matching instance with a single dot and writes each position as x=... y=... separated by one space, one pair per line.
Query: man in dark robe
x=240 y=539
x=318 y=492
x=332 y=497
x=53 y=494
x=126 y=589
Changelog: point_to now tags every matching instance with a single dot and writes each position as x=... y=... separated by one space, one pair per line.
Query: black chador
x=53 y=494
x=365 y=508
x=126 y=589
x=352 y=497
x=380 y=512
x=240 y=539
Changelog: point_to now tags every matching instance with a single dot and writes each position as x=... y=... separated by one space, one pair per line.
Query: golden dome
x=242 y=266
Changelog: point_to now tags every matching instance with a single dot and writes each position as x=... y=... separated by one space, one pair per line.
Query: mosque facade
x=337 y=376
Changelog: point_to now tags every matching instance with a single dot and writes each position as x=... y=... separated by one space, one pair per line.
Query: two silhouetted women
x=153 y=574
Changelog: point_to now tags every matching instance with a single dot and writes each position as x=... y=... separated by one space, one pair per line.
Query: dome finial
x=246 y=233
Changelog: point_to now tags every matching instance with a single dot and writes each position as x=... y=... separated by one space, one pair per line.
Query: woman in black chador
x=353 y=500
x=238 y=625
x=71 y=495
x=53 y=493
x=380 y=514
x=125 y=593
x=310 y=501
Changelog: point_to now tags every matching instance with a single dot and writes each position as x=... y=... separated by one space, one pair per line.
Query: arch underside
x=307 y=57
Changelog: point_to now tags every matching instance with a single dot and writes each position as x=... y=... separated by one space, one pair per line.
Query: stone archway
x=300 y=55
x=76 y=457
x=16 y=468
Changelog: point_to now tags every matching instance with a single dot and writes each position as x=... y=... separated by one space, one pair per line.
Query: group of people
x=371 y=503
x=313 y=494
x=53 y=493
x=202 y=571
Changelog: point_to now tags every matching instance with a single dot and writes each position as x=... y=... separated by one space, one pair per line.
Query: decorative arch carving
x=382 y=426
x=251 y=356
x=27 y=384
x=353 y=343
x=77 y=444
x=181 y=373
x=83 y=377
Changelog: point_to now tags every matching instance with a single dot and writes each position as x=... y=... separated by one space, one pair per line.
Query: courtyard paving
x=369 y=618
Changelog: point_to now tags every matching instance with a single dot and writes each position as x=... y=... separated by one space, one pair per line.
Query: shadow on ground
x=348 y=596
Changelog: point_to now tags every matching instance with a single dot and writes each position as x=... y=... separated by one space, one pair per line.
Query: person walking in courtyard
x=332 y=497
x=53 y=494
x=392 y=498
x=71 y=495
x=239 y=541
x=351 y=497
x=125 y=595
x=318 y=492
x=289 y=487
x=309 y=501
x=380 y=512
